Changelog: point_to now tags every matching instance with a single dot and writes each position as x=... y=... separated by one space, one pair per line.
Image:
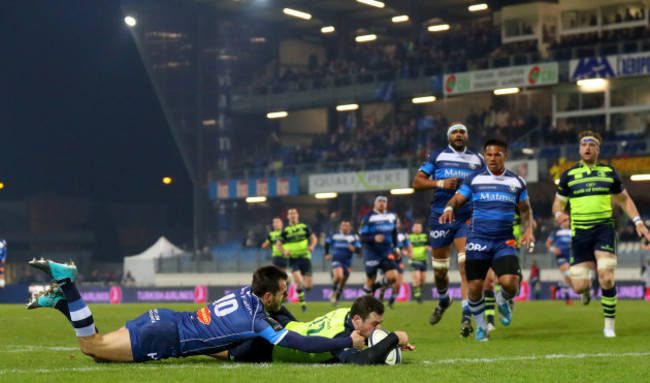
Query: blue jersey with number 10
x=236 y=317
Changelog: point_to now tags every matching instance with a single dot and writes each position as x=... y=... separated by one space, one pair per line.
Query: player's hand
x=562 y=218
x=404 y=341
x=447 y=217
x=379 y=238
x=557 y=251
x=358 y=341
x=643 y=233
x=310 y=248
x=451 y=183
x=351 y=247
x=328 y=257
x=527 y=239
x=287 y=253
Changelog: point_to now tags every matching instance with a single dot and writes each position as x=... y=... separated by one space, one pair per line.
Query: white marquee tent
x=143 y=266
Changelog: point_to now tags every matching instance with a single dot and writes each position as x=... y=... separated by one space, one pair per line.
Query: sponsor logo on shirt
x=204 y=316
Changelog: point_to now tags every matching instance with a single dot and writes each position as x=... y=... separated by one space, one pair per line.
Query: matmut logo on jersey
x=204 y=316
x=497 y=197
x=449 y=173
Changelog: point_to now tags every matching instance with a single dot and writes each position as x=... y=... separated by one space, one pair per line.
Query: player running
x=449 y=167
x=592 y=187
x=559 y=244
x=420 y=246
x=495 y=192
x=339 y=248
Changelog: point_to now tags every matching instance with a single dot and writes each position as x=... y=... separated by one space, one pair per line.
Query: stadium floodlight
x=298 y=14
x=640 y=177
x=423 y=99
x=167 y=180
x=529 y=151
x=130 y=21
x=347 y=107
x=256 y=199
x=438 y=28
x=402 y=191
x=278 y=114
x=326 y=195
x=592 y=84
x=373 y=3
x=2 y=185
x=477 y=7
x=327 y=29
x=366 y=38
x=400 y=18
x=503 y=91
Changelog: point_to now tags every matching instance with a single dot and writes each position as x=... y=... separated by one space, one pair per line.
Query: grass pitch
x=547 y=341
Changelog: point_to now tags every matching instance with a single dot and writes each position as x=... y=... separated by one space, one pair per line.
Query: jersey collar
x=455 y=151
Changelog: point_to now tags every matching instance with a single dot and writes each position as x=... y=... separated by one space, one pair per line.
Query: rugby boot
x=46 y=298
x=505 y=313
x=585 y=298
x=466 y=328
x=55 y=270
x=436 y=314
x=481 y=335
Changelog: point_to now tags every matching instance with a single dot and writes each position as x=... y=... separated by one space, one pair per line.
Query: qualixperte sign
x=359 y=181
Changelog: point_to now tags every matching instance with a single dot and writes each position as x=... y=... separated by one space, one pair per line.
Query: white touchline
x=534 y=357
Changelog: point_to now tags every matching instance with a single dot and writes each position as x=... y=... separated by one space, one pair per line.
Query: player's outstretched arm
x=454 y=203
x=526 y=213
x=318 y=343
x=626 y=203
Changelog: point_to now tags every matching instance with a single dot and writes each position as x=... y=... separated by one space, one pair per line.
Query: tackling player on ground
x=494 y=192
x=448 y=167
x=592 y=187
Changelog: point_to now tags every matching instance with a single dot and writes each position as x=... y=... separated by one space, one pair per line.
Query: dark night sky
x=78 y=114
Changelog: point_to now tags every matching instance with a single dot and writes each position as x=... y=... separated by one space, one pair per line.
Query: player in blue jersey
x=444 y=171
x=403 y=250
x=164 y=333
x=3 y=257
x=494 y=193
x=339 y=248
x=379 y=238
x=559 y=244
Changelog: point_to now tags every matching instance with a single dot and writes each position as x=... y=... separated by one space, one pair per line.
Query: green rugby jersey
x=295 y=238
x=590 y=193
x=419 y=243
x=272 y=239
x=329 y=326
x=516 y=227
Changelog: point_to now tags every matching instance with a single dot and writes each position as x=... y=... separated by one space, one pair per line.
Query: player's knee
x=580 y=272
x=440 y=265
x=606 y=263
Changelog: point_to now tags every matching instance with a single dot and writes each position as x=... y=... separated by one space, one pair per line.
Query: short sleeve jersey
x=590 y=193
x=561 y=238
x=272 y=239
x=225 y=323
x=447 y=163
x=295 y=238
x=379 y=223
x=494 y=201
x=339 y=244
x=419 y=242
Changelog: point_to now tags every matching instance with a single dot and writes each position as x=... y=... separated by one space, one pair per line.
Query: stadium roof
x=353 y=15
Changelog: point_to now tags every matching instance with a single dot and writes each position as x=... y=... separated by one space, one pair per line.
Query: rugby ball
x=394 y=356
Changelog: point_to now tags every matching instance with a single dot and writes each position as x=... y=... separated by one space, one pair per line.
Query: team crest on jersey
x=513 y=188
x=472 y=165
x=204 y=316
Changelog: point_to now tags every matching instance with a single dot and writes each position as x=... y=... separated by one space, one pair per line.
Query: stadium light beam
x=640 y=177
x=130 y=21
x=438 y=28
x=347 y=107
x=298 y=14
x=477 y=7
x=528 y=151
x=366 y=38
x=593 y=84
x=278 y=114
x=372 y=3
x=401 y=191
x=256 y=199
x=423 y=99
x=400 y=18
x=504 y=91
x=326 y=195
x=327 y=29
